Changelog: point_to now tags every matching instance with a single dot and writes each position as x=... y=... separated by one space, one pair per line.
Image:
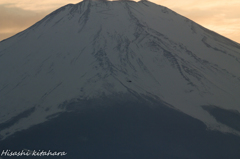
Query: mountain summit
x=121 y=66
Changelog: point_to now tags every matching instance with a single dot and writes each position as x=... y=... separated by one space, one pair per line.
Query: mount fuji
x=120 y=79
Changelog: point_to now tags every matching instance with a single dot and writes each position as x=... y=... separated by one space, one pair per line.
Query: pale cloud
x=14 y=20
x=18 y=15
x=191 y=4
x=37 y=5
x=221 y=16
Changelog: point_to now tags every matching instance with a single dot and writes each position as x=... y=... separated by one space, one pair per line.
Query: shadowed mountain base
x=125 y=127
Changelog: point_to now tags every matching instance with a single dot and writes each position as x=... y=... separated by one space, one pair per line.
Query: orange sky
x=221 y=16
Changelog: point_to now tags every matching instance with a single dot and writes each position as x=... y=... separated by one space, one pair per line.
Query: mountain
x=120 y=79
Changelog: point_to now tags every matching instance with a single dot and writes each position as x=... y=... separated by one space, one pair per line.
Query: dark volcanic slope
x=131 y=128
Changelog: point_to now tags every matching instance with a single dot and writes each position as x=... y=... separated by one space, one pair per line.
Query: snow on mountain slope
x=93 y=48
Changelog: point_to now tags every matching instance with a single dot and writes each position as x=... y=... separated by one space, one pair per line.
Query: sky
x=221 y=16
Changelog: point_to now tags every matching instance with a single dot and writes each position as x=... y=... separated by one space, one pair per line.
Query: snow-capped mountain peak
x=101 y=48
